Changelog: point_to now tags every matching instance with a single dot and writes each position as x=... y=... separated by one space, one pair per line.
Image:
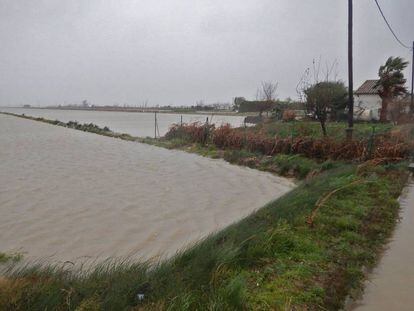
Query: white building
x=367 y=102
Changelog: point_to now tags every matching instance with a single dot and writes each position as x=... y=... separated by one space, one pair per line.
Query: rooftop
x=368 y=87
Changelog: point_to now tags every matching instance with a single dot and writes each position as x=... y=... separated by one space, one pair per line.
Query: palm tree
x=391 y=83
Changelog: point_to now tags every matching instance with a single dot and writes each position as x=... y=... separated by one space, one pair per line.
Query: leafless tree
x=303 y=84
x=312 y=76
x=266 y=95
x=268 y=91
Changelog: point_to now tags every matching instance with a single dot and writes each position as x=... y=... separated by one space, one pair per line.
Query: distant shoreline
x=144 y=110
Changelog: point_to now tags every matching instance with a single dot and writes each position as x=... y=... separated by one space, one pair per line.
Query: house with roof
x=367 y=102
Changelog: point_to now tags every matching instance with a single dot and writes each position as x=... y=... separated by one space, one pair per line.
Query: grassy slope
x=271 y=260
x=295 y=166
x=292 y=165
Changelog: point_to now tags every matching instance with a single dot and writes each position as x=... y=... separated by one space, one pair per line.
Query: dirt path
x=391 y=285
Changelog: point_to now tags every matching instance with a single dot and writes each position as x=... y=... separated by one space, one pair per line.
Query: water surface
x=134 y=123
x=70 y=194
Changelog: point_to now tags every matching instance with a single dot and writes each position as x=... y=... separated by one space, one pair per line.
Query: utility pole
x=350 y=74
x=412 y=85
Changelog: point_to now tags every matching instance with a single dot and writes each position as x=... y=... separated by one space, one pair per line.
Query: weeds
x=6 y=258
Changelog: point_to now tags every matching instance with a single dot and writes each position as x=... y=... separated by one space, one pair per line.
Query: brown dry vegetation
x=393 y=144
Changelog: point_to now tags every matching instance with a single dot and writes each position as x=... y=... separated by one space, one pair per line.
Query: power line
x=389 y=26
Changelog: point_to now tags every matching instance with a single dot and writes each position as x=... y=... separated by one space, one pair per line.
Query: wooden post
x=205 y=131
x=371 y=144
x=245 y=133
x=155 y=125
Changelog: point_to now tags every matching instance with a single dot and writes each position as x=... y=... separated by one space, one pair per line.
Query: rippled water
x=136 y=124
x=73 y=194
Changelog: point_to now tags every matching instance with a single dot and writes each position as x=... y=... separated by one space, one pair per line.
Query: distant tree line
x=265 y=99
x=243 y=105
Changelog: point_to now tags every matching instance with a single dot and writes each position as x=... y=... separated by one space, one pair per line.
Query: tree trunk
x=384 y=109
x=323 y=127
x=332 y=116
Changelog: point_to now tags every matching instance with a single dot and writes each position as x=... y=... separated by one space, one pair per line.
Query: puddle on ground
x=391 y=284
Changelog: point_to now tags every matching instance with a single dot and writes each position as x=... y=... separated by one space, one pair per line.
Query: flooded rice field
x=390 y=286
x=71 y=195
x=134 y=123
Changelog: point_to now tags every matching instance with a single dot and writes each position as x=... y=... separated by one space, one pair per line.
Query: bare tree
x=312 y=76
x=303 y=84
x=266 y=95
x=268 y=91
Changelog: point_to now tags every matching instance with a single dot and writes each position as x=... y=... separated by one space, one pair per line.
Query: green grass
x=335 y=130
x=7 y=258
x=272 y=259
x=295 y=166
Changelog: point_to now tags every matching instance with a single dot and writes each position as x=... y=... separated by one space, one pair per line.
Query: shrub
x=382 y=146
x=194 y=132
x=288 y=115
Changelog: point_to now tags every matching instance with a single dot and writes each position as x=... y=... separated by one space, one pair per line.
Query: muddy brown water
x=71 y=195
x=391 y=284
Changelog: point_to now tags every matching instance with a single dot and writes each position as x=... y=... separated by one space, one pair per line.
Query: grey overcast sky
x=180 y=51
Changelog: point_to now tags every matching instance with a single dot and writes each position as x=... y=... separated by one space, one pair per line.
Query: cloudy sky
x=180 y=51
